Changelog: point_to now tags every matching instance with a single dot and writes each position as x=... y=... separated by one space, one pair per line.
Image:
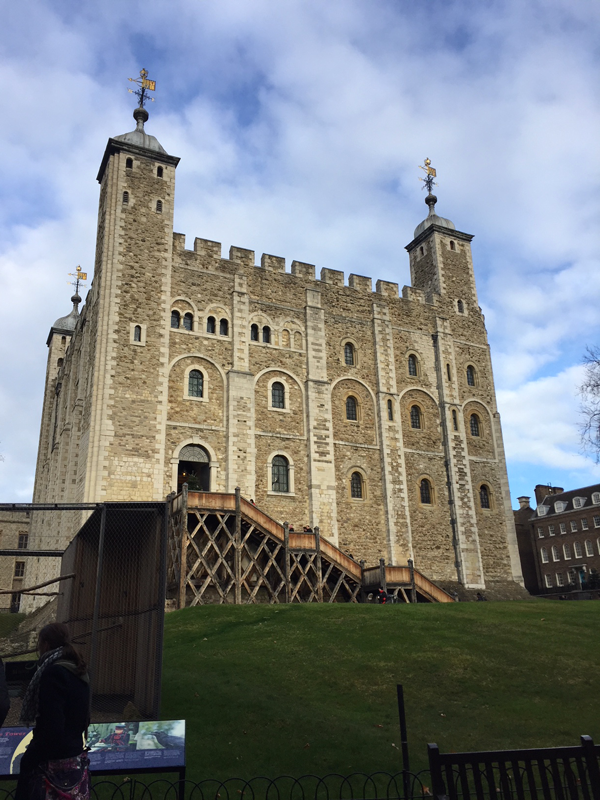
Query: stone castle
x=371 y=414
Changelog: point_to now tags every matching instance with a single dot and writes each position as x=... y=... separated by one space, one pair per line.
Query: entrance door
x=194 y=469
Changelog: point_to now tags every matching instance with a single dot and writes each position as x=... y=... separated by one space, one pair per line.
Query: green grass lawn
x=9 y=623
x=272 y=690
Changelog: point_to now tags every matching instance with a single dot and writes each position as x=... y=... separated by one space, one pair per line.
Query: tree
x=590 y=403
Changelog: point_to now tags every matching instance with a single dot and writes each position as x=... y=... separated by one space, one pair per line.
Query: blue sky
x=300 y=125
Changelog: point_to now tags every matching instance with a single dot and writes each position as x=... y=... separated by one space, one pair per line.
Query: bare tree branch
x=590 y=403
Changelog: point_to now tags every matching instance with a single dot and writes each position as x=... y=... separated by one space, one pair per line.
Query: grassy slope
x=9 y=623
x=296 y=689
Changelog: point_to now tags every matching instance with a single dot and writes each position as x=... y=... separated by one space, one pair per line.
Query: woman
x=57 y=702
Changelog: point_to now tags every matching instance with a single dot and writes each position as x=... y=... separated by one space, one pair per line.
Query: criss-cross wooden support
x=222 y=549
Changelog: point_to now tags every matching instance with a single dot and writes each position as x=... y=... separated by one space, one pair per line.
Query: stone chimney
x=524 y=502
x=542 y=491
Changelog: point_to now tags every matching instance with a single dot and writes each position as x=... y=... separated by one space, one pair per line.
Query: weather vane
x=145 y=86
x=79 y=277
x=431 y=174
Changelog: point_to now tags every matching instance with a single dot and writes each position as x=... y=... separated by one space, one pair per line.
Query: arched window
x=278 y=395
x=452 y=245
x=484 y=496
x=390 y=411
x=196 y=383
x=471 y=375
x=211 y=325
x=356 y=485
x=137 y=333
x=425 y=490
x=578 y=550
x=567 y=551
x=159 y=172
x=129 y=163
x=125 y=198
x=280 y=474
x=188 y=321
x=351 y=408
x=59 y=363
x=448 y=373
x=175 y=319
x=254 y=333
x=555 y=554
x=454 y=419
x=415 y=417
x=285 y=338
x=413 y=366
x=349 y=354
x=421 y=251
x=159 y=206
x=266 y=332
x=224 y=327
x=589 y=548
x=544 y=555
x=461 y=307
x=475 y=427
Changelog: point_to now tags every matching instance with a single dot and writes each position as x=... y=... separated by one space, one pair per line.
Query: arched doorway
x=194 y=468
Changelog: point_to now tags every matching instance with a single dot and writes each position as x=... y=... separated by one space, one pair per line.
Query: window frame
x=475 y=426
x=471 y=376
x=186 y=384
x=488 y=493
x=286 y=395
x=353 y=352
x=431 y=490
x=544 y=555
x=413 y=358
x=555 y=553
x=290 y=475
x=363 y=485
x=211 y=321
x=254 y=329
x=352 y=397
x=132 y=339
x=418 y=417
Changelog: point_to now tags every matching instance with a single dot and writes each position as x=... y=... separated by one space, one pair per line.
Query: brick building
x=371 y=414
x=559 y=540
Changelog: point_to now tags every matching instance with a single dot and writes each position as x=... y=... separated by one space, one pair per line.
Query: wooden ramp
x=223 y=549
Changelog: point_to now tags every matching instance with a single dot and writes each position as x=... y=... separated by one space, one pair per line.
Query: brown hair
x=56 y=634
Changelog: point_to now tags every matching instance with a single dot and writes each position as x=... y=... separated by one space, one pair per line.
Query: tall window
x=560 y=579
x=425 y=490
x=19 y=569
x=589 y=548
x=159 y=206
x=159 y=172
x=351 y=408
x=125 y=198
x=555 y=554
x=195 y=383
x=349 y=354
x=188 y=321
x=566 y=551
x=254 y=333
x=390 y=410
x=578 y=550
x=129 y=163
x=474 y=425
x=548 y=581
x=412 y=365
x=137 y=333
x=461 y=307
x=573 y=526
x=484 y=496
x=415 y=417
x=448 y=373
x=266 y=334
x=224 y=327
x=454 y=419
x=277 y=395
x=544 y=555
x=356 y=485
x=175 y=318
x=24 y=541
x=471 y=375
x=279 y=474
x=452 y=246
x=211 y=325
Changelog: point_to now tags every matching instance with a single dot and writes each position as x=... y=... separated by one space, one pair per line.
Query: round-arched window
x=349 y=354
x=351 y=408
x=356 y=485
x=175 y=319
x=278 y=395
x=188 y=321
x=280 y=474
x=211 y=325
x=426 y=493
x=415 y=417
x=254 y=333
x=266 y=334
x=413 y=365
x=475 y=425
x=224 y=328
x=484 y=496
x=471 y=375
x=195 y=383
x=137 y=333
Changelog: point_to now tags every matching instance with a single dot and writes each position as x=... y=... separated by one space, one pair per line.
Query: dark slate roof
x=567 y=497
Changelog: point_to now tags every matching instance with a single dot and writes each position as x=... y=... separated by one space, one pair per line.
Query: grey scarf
x=31 y=701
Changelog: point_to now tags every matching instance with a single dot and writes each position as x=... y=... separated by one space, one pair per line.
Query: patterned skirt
x=67 y=778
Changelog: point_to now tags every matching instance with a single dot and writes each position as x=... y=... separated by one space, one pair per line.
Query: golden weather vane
x=431 y=174
x=145 y=85
x=79 y=277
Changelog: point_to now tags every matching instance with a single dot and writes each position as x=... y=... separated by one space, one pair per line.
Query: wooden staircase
x=223 y=549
